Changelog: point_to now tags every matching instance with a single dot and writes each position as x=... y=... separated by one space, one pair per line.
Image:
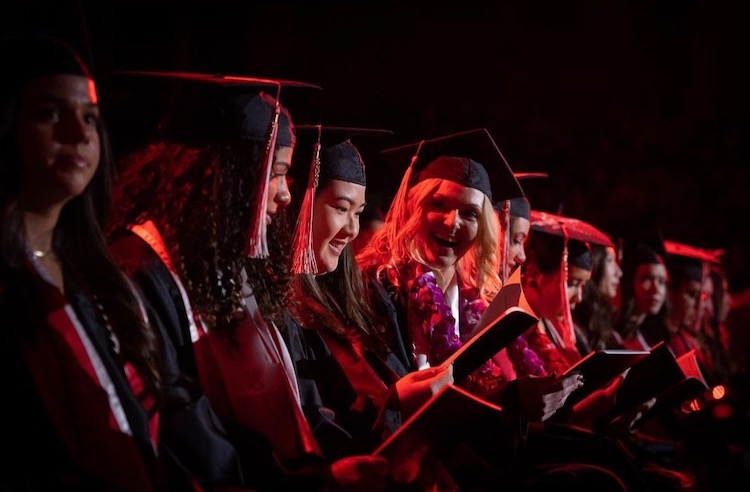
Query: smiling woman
x=442 y=229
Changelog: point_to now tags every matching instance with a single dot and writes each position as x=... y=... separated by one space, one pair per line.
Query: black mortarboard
x=646 y=248
x=470 y=158
x=520 y=206
x=32 y=55
x=341 y=161
x=210 y=108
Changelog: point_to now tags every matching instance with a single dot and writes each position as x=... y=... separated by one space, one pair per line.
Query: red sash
x=247 y=380
x=363 y=379
x=89 y=422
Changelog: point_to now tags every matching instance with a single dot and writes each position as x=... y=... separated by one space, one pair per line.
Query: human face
x=649 y=288
x=612 y=274
x=517 y=234
x=58 y=139
x=450 y=223
x=577 y=278
x=685 y=305
x=278 y=186
x=335 y=221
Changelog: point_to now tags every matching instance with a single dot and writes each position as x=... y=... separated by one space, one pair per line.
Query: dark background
x=637 y=109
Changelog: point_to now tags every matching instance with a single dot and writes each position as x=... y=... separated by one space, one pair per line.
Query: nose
x=74 y=130
x=577 y=296
x=352 y=226
x=452 y=220
x=521 y=256
x=283 y=197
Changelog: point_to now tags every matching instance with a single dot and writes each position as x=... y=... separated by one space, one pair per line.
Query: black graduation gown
x=58 y=426
x=216 y=450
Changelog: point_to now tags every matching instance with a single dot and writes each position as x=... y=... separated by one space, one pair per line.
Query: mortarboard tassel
x=568 y=335
x=258 y=243
x=303 y=260
x=505 y=233
x=397 y=211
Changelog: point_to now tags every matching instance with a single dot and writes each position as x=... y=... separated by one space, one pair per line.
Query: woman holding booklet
x=345 y=356
x=437 y=257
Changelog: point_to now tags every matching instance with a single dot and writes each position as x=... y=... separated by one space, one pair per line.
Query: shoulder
x=130 y=252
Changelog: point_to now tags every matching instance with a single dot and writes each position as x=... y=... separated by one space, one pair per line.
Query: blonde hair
x=396 y=244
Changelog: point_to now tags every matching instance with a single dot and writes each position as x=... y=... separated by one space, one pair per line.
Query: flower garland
x=428 y=312
x=525 y=360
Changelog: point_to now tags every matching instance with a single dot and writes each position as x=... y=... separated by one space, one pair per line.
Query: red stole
x=249 y=380
x=90 y=422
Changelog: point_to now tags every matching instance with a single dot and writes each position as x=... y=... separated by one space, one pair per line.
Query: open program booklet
x=507 y=317
x=453 y=414
x=661 y=376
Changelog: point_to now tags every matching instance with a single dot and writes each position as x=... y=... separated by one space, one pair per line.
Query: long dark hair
x=595 y=314
x=339 y=302
x=80 y=244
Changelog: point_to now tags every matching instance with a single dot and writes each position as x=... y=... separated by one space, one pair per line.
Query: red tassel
x=397 y=212
x=505 y=239
x=303 y=260
x=257 y=246
x=568 y=333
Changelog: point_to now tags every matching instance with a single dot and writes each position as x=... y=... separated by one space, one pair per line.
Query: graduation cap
x=214 y=107
x=341 y=161
x=686 y=262
x=31 y=55
x=569 y=236
x=646 y=248
x=519 y=206
x=470 y=158
x=567 y=241
x=577 y=229
x=208 y=107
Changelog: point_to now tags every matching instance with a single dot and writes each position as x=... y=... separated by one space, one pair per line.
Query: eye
x=438 y=204
x=91 y=118
x=48 y=114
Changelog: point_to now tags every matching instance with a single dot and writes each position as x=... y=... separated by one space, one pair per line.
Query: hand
x=598 y=403
x=540 y=397
x=417 y=387
x=360 y=474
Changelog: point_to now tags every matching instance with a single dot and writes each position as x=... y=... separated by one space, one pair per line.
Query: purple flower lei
x=429 y=311
x=525 y=360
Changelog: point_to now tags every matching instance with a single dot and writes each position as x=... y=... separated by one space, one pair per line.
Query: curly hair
x=478 y=268
x=200 y=198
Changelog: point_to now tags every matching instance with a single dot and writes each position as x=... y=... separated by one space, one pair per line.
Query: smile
x=337 y=247
x=445 y=242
